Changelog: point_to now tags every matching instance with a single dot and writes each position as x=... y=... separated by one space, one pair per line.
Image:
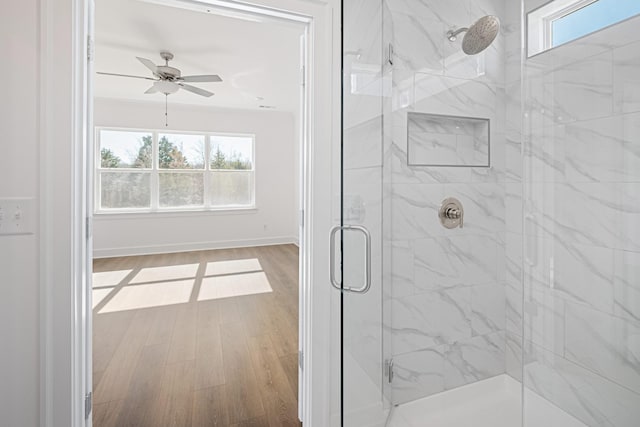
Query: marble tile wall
x=448 y=287
x=581 y=226
x=512 y=25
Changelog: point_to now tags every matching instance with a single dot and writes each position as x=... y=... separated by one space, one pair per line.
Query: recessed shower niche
x=438 y=140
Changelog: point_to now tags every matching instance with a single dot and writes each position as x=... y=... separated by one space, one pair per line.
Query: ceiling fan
x=168 y=80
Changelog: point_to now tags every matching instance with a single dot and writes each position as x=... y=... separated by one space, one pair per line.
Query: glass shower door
x=582 y=226
x=360 y=280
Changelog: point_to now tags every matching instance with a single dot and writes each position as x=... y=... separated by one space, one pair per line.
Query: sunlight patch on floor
x=217 y=268
x=109 y=278
x=99 y=295
x=173 y=284
x=150 y=295
x=170 y=272
x=234 y=286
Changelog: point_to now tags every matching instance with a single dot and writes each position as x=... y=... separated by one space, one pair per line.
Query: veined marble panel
x=513 y=207
x=474 y=359
x=449 y=261
x=512 y=27
x=418 y=43
x=432 y=318
x=429 y=371
x=513 y=259
x=582 y=90
x=590 y=397
x=362 y=145
x=513 y=156
x=544 y=319
x=591 y=214
x=402 y=268
x=584 y=274
x=418 y=374
x=607 y=345
x=488 y=304
x=626 y=79
x=415 y=210
x=402 y=173
x=453 y=96
x=513 y=309
x=626 y=284
x=602 y=150
x=449 y=13
x=544 y=153
x=513 y=355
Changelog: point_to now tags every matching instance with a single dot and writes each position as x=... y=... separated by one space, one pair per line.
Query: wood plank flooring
x=197 y=339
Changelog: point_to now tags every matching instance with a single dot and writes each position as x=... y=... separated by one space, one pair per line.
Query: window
x=148 y=171
x=562 y=21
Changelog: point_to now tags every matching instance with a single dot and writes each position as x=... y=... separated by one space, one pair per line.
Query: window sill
x=173 y=213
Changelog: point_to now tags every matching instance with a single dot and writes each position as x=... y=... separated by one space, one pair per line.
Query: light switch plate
x=17 y=216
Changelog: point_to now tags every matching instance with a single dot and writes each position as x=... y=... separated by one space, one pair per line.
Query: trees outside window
x=151 y=171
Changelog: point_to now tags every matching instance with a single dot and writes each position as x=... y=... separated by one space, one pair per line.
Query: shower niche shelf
x=439 y=140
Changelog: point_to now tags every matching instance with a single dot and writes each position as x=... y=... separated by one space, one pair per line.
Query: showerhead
x=479 y=36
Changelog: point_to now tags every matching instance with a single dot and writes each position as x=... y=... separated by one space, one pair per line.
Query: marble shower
x=542 y=284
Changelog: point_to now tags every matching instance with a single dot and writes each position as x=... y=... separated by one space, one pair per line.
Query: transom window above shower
x=562 y=21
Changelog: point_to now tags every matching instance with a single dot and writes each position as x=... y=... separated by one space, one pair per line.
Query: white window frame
x=155 y=172
x=540 y=23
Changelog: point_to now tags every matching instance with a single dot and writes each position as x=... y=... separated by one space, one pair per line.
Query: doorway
x=180 y=323
x=65 y=214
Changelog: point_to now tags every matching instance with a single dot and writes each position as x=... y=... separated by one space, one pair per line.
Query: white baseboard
x=189 y=247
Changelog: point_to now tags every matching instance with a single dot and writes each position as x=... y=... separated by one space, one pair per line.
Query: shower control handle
x=451 y=213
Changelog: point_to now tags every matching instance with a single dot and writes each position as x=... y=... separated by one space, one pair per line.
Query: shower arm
x=453 y=35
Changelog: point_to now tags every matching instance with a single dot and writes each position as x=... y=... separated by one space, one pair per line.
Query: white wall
x=273 y=221
x=19 y=298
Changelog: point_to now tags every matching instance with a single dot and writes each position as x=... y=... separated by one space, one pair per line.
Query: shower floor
x=495 y=402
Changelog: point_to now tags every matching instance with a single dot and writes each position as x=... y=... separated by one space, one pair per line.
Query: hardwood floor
x=198 y=339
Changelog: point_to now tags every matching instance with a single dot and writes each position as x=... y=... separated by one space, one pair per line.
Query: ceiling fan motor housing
x=168 y=72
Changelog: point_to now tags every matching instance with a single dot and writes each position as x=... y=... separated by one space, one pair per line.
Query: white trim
x=46 y=199
x=190 y=247
x=62 y=241
x=540 y=23
x=111 y=215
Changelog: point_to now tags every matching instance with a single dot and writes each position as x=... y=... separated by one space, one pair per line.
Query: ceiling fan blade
x=152 y=89
x=149 y=64
x=124 y=75
x=201 y=79
x=196 y=90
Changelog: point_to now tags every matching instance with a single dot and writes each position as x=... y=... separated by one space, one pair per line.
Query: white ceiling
x=256 y=58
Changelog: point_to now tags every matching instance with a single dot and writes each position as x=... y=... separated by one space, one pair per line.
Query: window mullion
x=155 y=164
x=207 y=171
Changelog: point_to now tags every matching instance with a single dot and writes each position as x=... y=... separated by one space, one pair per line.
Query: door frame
x=65 y=219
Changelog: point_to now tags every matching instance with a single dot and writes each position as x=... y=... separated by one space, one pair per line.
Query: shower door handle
x=367 y=272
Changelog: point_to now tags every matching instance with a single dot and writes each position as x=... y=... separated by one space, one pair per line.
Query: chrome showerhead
x=479 y=36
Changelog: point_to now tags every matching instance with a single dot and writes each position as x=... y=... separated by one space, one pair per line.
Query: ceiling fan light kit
x=168 y=80
x=165 y=87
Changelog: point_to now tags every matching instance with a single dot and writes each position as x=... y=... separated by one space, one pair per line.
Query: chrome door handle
x=367 y=272
x=332 y=258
